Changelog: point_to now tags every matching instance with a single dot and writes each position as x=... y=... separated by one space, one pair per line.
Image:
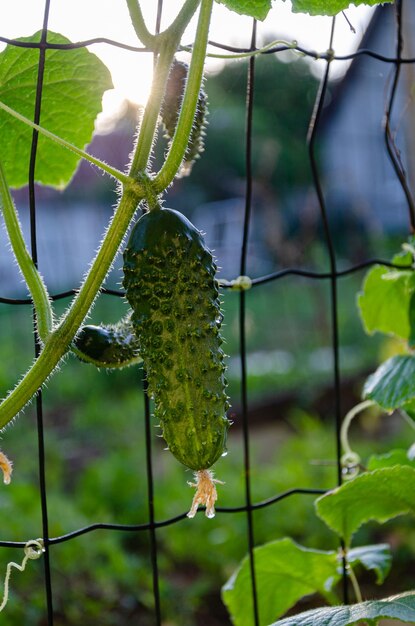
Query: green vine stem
x=184 y=125
x=151 y=114
x=350 y=459
x=170 y=40
x=355 y=584
x=352 y=576
x=251 y=53
x=147 y=39
x=174 y=31
x=112 y=171
x=34 y=281
x=59 y=340
x=182 y=20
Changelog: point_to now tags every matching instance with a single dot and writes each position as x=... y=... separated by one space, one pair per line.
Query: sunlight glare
x=132 y=71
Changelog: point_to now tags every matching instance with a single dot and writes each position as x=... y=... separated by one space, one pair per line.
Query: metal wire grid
x=333 y=276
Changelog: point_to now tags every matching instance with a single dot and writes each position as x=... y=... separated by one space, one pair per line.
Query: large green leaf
x=74 y=82
x=389 y=459
x=379 y=495
x=255 y=8
x=384 y=302
x=284 y=572
x=260 y=8
x=329 y=7
x=376 y=558
x=401 y=608
x=393 y=383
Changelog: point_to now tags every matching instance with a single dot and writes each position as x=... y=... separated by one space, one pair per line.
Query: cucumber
x=170 y=114
x=111 y=346
x=170 y=283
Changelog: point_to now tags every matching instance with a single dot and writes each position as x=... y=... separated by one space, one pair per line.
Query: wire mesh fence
x=333 y=276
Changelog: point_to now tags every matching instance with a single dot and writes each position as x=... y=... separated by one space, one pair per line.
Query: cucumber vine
x=138 y=186
x=390 y=387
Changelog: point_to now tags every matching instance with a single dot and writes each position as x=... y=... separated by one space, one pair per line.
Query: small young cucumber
x=170 y=113
x=112 y=346
x=169 y=277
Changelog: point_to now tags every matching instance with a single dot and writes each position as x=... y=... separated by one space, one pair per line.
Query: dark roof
x=339 y=89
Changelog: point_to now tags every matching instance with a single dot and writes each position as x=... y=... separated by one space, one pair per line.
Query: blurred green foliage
x=284 y=96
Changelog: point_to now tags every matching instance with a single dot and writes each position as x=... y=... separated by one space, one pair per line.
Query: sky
x=131 y=72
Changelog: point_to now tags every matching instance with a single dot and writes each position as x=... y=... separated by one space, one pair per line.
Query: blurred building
x=358 y=173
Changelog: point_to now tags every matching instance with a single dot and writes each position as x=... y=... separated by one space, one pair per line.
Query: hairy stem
x=60 y=339
x=147 y=39
x=112 y=171
x=149 y=122
x=137 y=185
x=188 y=109
x=169 y=42
x=37 y=288
x=182 y=20
x=174 y=31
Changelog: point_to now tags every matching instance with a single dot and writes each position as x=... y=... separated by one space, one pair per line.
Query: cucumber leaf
x=284 y=572
x=379 y=495
x=260 y=8
x=400 y=607
x=74 y=83
x=254 y=8
x=377 y=558
x=384 y=301
x=329 y=7
x=389 y=459
x=393 y=384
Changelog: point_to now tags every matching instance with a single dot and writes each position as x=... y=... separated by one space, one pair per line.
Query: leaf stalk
x=34 y=281
x=188 y=109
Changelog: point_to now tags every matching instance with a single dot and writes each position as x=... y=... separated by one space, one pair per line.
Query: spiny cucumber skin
x=110 y=346
x=169 y=277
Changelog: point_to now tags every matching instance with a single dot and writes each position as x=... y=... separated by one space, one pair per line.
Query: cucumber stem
x=355 y=584
x=58 y=342
x=181 y=21
x=174 y=31
x=147 y=39
x=34 y=281
x=149 y=122
x=112 y=171
x=168 y=44
x=187 y=113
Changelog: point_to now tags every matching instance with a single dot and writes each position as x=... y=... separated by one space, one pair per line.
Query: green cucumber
x=170 y=283
x=112 y=346
x=170 y=113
